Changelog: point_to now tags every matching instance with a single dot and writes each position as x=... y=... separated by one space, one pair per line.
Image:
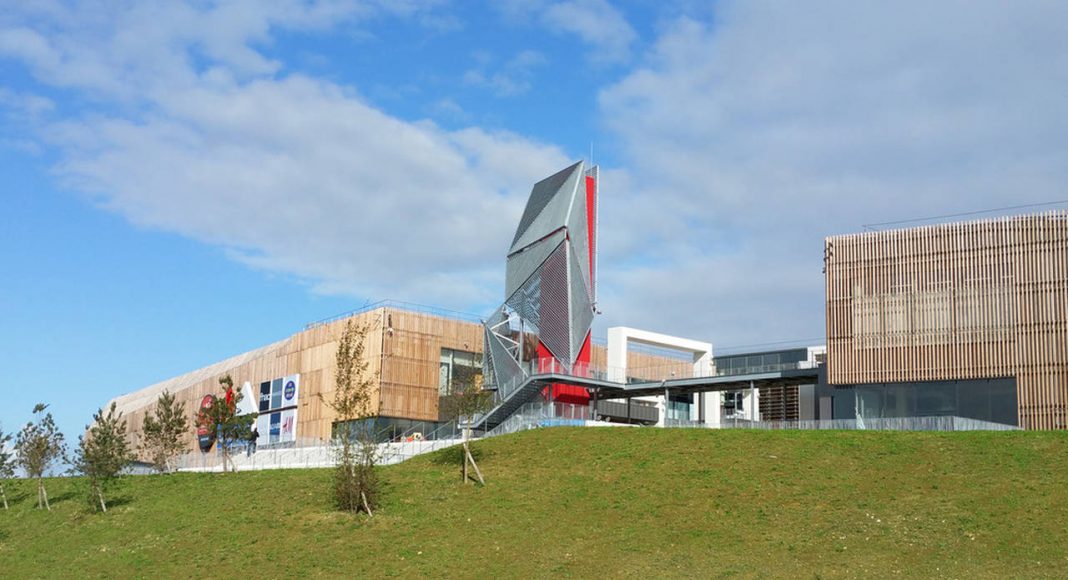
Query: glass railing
x=634 y=375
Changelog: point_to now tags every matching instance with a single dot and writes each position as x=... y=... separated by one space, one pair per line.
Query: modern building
x=550 y=288
x=966 y=319
x=415 y=352
x=773 y=403
x=412 y=353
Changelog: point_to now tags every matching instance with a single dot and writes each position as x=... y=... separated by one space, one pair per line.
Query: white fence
x=540 y=414
x=951 y=423
x=311 y=454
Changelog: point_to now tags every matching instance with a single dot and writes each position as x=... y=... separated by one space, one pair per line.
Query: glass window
x=974 y=400
x=458 y=365
x=444 y=378
x=935 y=399
x=986 y=400
x=276 y=393
x=1003 y=405
x=265 y=396
x=869 y=402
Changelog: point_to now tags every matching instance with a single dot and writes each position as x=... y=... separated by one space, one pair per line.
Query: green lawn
x=591 y=502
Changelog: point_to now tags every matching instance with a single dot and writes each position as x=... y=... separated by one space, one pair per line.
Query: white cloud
x=512 y=78
x=750 y=140
x=289 y=173
x=595 y=22
x=144 y=48
x=299 y=177
x=745 y=142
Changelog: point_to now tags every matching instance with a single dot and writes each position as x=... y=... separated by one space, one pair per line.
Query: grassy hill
x=592 y=502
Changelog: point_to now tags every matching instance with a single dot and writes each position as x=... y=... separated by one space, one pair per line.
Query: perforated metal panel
x=540 y=196
x=548 y=280
x=554 y=215
x=555 y=334
x=581 y=307
x=526 y=300
x=521 y=266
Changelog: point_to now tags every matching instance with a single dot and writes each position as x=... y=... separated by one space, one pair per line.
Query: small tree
x=222 y=419
x=39 y=445
x=165 y=432
x=103 y=453
x=466 y=400
x=355 y=482
x=7 y=463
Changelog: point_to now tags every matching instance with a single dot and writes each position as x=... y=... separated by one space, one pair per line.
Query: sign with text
x=279 y=393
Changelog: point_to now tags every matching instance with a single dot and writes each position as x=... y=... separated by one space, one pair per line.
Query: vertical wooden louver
x=956 y=301
x=779 y=403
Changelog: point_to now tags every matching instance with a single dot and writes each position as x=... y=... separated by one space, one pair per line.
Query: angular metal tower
x=550 y=286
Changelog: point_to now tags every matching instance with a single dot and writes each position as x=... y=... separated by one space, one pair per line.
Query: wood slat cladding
x=644 y=365
x=412 y=344
x=779 y=403
x=403 y=349
x=957 y=301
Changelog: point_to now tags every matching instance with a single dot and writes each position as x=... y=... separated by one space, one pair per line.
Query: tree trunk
x=45 y=492
x=100 y=495
x=465 y=463
x=475 y=465
x=3 y=495
x=365 y=504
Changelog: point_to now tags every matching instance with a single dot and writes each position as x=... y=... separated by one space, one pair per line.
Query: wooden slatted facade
x=403 y=348
x=779 y=403
x=984 y=299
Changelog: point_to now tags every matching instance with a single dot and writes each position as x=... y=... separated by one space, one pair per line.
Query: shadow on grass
x=17 y=497
x=118 y=500
x=454 y=455
x=64 y=496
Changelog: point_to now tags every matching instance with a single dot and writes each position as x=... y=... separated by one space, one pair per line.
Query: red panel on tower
x=563 y=392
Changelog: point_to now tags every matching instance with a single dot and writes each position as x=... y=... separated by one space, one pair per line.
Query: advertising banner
x=205 y=436
x=274 y=428
x=265 y=397
x=263 y=426
x=288 y=426
x=290 y=390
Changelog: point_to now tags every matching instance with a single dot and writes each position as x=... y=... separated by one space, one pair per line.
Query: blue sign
x=291 y=389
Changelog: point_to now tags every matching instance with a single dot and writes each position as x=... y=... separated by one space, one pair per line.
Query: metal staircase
x=508 y=399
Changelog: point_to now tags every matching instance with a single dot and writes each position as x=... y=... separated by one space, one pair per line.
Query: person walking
x=253 y=436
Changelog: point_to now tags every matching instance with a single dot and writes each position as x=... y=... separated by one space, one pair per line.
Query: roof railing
x=399 y=305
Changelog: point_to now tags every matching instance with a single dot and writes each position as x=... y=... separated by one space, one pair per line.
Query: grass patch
x=591 y=502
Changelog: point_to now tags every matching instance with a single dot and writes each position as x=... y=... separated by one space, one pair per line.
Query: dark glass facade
x=984 y=399
x=387 y=429
x=738 y=364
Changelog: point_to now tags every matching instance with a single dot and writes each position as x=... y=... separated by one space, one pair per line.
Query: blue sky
x=184 y=181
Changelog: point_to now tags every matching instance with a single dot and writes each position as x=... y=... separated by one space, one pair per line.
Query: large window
x=395 y=429
x=458 y=366
x=737 y=364
x=984 y=399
